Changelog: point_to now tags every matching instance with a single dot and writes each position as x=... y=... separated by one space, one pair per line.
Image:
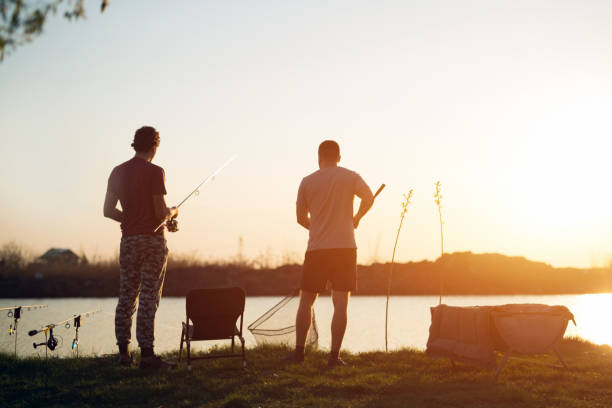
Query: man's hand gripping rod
x=209 y=178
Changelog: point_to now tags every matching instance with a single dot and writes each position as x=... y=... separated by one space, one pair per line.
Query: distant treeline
x=458 y=273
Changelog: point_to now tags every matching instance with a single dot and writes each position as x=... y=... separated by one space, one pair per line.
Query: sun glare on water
x=593 y=324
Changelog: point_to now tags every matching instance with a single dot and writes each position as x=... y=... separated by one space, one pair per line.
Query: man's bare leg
x=339 y=321
x=303 y=319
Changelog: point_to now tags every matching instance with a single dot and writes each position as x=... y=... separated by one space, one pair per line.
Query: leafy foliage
x=13 y=257
x=21 y=21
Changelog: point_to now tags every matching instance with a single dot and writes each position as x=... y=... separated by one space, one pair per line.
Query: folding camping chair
x=212 y=314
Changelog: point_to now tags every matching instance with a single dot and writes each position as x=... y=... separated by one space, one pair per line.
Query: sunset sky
x=507 y=103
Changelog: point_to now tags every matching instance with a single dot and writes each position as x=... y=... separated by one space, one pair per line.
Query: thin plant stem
x=405 y=204
x=437 y=199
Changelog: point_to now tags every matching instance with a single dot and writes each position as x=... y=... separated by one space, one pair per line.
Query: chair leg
x=181 y=347
x=560 y=358
x=233 y=344
x=188 y=355
x=244 y=363
x=503 y=363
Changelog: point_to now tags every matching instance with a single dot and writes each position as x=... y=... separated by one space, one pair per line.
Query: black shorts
x=337 y=265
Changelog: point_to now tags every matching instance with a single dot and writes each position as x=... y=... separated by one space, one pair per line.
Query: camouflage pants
x=142 y=261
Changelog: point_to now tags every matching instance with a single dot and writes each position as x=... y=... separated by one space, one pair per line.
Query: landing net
x=277 y=325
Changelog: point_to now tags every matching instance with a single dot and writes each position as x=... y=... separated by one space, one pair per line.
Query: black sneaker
x=336 y=362
x=295 y=357
x=125 y=360
x=155 y=363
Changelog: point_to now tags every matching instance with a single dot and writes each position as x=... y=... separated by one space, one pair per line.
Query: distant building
x=60 y=256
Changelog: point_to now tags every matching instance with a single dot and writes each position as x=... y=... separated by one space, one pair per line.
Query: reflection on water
x=592 y=310
x=409 y=319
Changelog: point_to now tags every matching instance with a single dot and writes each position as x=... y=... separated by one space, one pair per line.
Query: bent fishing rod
x=172 y=224
x=51 y=341
x=15 y=313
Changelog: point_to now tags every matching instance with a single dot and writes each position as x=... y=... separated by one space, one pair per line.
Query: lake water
x=409 y=320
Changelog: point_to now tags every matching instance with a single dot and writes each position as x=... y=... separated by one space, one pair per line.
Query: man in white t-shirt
x=327 y=195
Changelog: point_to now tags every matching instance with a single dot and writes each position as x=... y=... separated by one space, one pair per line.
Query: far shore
x=461 y=273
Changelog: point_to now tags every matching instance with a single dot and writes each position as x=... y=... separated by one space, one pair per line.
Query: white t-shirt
x=327 y=194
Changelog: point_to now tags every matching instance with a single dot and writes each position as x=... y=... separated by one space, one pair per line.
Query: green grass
x=403 y=378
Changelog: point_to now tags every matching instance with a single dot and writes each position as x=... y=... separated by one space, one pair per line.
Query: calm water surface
x=408 y=322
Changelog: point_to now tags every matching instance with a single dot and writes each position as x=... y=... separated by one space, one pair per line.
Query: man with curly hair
x=139 y=186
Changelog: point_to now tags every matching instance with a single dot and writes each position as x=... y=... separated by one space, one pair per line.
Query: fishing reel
x=51 y=342
x=172 y=225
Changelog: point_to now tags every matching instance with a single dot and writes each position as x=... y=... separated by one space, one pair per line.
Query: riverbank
x=396 y=379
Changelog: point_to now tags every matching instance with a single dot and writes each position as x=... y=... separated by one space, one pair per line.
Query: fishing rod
x=15 y=313
x=379 y=190
x=172 y=223
x=51 y=342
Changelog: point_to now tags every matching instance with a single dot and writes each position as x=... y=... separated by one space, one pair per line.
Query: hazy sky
x=507 y=103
